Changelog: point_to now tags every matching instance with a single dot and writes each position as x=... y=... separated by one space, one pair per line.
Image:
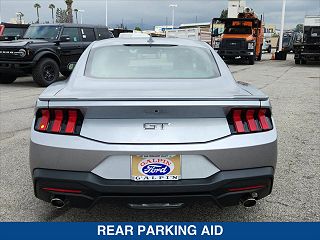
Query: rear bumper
x=225 y=188
x=307 y=56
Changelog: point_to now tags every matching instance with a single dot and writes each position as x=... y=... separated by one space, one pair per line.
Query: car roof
x=151 y=41
x=71 y=25
x=14 y=25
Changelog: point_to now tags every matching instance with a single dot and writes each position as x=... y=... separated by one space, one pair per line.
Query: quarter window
x=103 y=33
x=73 y=33
x=88 y=34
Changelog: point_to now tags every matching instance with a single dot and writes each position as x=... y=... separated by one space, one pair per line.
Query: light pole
x=173 y=6
x=107 y=13
x=81 y=13
x=282 y=24
x=0 y=12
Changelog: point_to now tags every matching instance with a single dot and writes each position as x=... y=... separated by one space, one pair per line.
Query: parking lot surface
x=294 y=91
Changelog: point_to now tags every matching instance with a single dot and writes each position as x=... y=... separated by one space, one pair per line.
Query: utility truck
x=242 y=37
x=309 y=49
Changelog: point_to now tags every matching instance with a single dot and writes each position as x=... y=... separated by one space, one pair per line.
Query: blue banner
x=161 y=230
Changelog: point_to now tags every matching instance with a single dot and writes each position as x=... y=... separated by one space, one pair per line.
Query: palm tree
x=37 y=6
x=76 y=12
x=20 y=15
x=69 y=10
x=52 y=7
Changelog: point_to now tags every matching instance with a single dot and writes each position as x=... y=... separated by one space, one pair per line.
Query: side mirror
x=65 y=38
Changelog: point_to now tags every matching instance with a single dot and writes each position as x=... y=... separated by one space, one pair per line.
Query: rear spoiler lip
x=246 y=98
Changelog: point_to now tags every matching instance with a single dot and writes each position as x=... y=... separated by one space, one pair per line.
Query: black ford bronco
x=46 y=50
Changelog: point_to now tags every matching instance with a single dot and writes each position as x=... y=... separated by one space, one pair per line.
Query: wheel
x=269 y=49
x=45 y=72
x=65 y=73
x=297 y=61
x=252 y=60
x=7 y=78
x=303 y=61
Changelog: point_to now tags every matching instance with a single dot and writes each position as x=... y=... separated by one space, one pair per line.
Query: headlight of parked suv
x=22 y=53
x=251 y=45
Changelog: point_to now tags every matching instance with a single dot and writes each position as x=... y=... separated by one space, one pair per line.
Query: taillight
x=249 y=120
x=59 y=121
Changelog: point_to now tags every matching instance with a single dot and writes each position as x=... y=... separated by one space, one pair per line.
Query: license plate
x=155 y=168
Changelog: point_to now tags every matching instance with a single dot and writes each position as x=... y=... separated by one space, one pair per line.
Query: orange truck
x=242 y=37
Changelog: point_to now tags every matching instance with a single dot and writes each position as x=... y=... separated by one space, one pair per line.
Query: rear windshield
x=238 y=30
x=13 y=31
x=155 y=62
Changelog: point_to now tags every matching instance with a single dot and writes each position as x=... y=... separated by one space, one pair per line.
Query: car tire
x=45 y=72
x=303 y=61
x=7 y=78
x=297 y=61
x=66 y=74
x=252 y=60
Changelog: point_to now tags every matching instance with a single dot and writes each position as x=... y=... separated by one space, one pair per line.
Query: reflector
x=62 y=190
x=245 y=188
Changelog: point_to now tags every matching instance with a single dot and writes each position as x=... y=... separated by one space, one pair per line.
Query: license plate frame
x=155 y=167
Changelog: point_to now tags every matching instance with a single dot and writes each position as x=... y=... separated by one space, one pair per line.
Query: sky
x=148 y=13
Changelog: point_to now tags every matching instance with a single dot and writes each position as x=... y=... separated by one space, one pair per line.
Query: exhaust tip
x=57 y=203
x=249 y=202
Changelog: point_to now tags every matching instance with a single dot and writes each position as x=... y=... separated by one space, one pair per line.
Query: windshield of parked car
x=238 y=30
x=43 y=32
x=157 y=62
x=13 y=31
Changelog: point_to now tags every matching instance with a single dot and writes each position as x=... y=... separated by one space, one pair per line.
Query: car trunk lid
x=154 y=122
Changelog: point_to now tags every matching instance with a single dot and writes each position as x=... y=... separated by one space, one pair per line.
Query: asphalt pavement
x=294 y=92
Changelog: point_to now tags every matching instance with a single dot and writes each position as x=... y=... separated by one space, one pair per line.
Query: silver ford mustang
x=152 y=123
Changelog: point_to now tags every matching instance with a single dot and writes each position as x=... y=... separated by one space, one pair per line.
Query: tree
x=138 y=29
x=52 y=7
x=76 y=12
x=69 y=11
x=37 y=6
x=224 y=13
x=20 y=15
x=61 y=15
x=299 y=28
